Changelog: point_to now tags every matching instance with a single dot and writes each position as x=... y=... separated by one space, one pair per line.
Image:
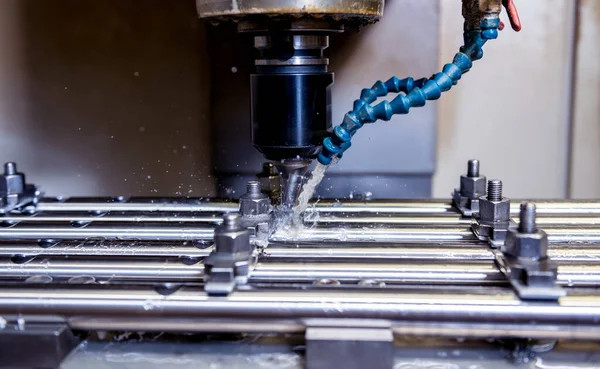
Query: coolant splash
x=308 y=190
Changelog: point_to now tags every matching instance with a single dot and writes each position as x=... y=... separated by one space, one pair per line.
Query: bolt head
x=473 y=187
x=252 y=205
x=494 y=211
x=232 y=242
x=12 y=184
x=526 y=245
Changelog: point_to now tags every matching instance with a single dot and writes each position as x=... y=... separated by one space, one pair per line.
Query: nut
x=494 y=211
x=232 y=241
x=12 y=184
x=472 y=187
x=254 y=204
x=527 y=245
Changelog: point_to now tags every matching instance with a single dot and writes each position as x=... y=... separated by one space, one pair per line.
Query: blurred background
x=138 y=97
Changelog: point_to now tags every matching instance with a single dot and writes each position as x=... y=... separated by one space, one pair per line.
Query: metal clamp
x=472 y=187
x=229 y=264
x=493 y=221
x=524 y=259
x=14 y=192
x=349 y=347
x=34 y=345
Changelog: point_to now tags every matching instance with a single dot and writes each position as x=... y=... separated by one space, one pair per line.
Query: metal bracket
x=466 y=206
x=349 y=348
x=35 y=345
x=531 y=280
x=472 y=187
x=14 y=192
x=229 y=264
x=493 y=233
x=524 y=259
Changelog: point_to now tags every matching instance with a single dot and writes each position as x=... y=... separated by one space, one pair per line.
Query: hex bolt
x=253 y=188
x=231 y=221
x=10 y=168
x=473 y=168
x=527 y=217
x=494 y=190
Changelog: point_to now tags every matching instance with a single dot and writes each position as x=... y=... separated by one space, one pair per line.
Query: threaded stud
x=473 y=168
x=10 y=168
x=253 y=188
x=494 y=190
x=527 y=217
x=231 y=220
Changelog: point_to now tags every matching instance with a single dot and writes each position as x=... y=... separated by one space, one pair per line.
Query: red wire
x=513 y=15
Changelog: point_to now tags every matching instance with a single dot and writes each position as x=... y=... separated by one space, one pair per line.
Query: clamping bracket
x=332 y=344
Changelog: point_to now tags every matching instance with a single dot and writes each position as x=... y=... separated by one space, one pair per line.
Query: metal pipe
x=423 y=235
x=189 y=269
x=104 y=249
x=374 y=235
x=489 y=305
x=544 y=207
x=327 y=253
x=399 y=328
x=437 y=273
x=77 y=217
x=106 y=231
x=280 y=252
x=449 y=220
x=140 y=205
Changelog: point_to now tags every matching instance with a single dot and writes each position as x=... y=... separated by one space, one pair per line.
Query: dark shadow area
x=117 y=97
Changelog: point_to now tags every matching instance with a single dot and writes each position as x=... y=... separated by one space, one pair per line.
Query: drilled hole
x=7 y=223
x=82 y=279
x=39 y=279
x=327 y=282
x=167 y=288
x=189 y=260
x=202 y=244
x=22 y=259
x=80 y=224
x=371 y=283
x=46 y=244
x=97 y=213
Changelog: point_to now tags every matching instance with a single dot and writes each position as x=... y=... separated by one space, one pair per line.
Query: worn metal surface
x=362 y=8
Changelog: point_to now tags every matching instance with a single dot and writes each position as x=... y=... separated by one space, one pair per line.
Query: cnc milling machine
x=476 y=280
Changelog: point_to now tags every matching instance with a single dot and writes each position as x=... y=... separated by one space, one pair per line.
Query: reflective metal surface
x=363 y=8
x=413 y=267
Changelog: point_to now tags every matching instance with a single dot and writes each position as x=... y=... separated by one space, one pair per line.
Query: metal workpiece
x=15 y=193
x=229 y=263
x=524 y=259
x=350 y=8
x=493 y=220
x=272 y=271
x=499 y=306
x=376 y=235
x=472 y=187
x=107 y=231
x=97 y=206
